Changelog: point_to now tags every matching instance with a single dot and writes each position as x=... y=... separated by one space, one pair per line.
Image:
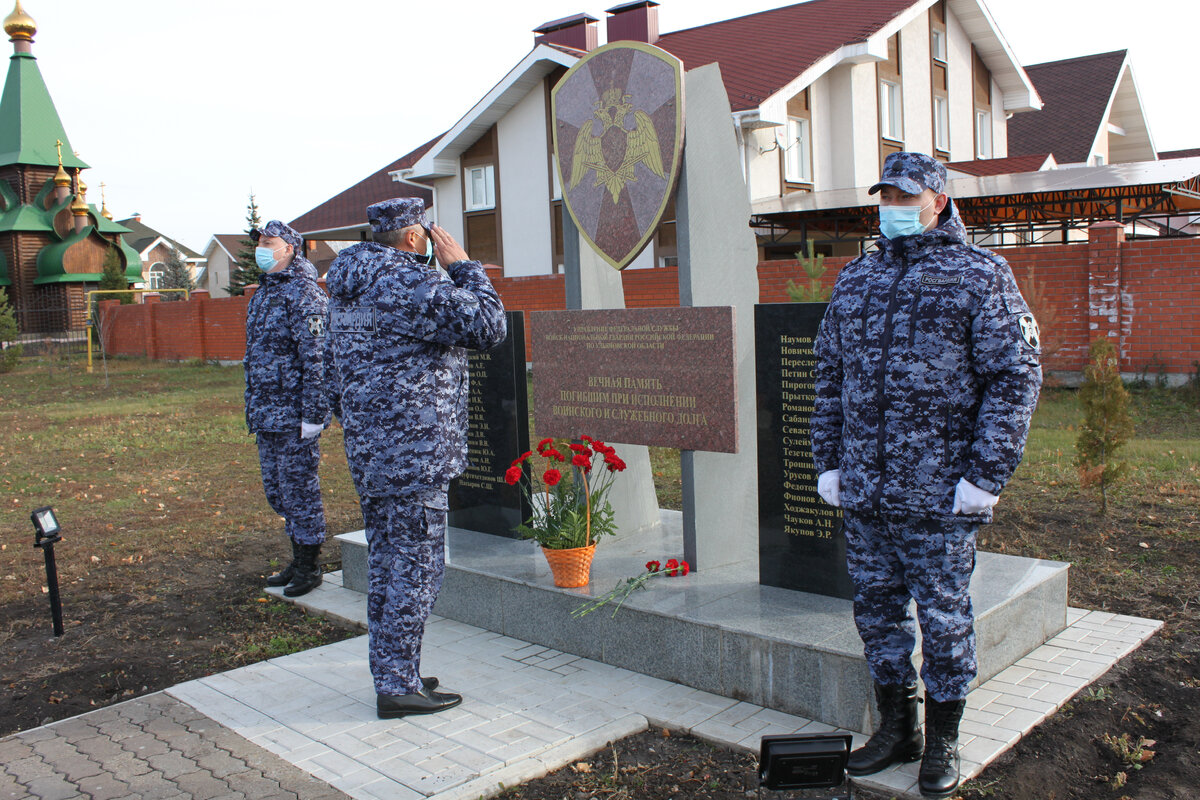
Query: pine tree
x=1106 y=422
x=8 y=335
x=245 y=270
x=814 y=267
x=113 y=277
x=176 y=275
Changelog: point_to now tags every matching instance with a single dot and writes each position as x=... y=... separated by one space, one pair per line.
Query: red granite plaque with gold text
x=656 y=376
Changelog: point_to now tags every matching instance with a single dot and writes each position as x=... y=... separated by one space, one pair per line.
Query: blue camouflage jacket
x=928 y=371
x=285 y=339
x=397 y=330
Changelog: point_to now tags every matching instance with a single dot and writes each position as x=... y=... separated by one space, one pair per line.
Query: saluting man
x=929 y=368
x=398 y=329
x=287 y=405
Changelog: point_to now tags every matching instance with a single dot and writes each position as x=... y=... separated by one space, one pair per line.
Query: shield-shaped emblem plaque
x=618 y=140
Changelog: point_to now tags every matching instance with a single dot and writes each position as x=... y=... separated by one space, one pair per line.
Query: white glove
x=308 y=430
x=970 y=499
x=829 y=486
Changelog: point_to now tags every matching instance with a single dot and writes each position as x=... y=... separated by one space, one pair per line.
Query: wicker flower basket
x=572 y=567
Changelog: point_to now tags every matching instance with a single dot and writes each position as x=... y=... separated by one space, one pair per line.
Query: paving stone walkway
x=304 y=725
x=151 y=747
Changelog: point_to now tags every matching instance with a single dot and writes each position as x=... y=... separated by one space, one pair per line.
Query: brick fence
x=1144 y=294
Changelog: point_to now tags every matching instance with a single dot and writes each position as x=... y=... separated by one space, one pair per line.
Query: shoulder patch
x=316 y=325
x=352 y=319
x=1029 y=331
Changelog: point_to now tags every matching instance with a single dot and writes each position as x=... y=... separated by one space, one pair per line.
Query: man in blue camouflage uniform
x=928 y=374
x=397 y=331
x=286 y=403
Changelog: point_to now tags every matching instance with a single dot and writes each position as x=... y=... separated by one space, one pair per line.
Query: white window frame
x=474 y=201
x=797 y=158
x=941 y=123
x=983 y=134
x=937 y=45
x=891 y=111
x=154 y=277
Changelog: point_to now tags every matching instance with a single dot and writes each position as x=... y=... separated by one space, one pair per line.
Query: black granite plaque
x=800 y=540
x=498 y=432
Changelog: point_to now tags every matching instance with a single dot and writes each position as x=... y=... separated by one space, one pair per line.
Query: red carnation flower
x=583 y=462
x=615 y=464
x=672 y=566
x=578 y=448
x=653 y=566
x=585 y=438
x=601 y=447
x=552 y=477
x=544 y=443
x=522 y=457
x=513 y=475
x=555 y=454
x=684 y=568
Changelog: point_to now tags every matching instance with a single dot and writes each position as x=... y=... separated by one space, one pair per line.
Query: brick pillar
x=151 y=329
x=1105 y=240
x=200 y=304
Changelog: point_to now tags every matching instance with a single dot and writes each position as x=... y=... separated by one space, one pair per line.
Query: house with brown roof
x=343 y=217
x=1091 y=115
x=154 y=247
x=820 y=92
x=220 y=254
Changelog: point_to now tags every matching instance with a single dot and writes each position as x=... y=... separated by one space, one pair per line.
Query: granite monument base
x=719 y=630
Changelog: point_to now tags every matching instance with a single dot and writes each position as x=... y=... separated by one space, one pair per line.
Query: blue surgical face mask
x=897 y=221
x=265 y=258
x=428 y=249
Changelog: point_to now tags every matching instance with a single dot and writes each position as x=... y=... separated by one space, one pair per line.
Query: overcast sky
x=182 y=109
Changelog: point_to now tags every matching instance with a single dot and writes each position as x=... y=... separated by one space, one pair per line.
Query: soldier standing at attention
x=929 y=368
x=397 y=332
x=286 y=402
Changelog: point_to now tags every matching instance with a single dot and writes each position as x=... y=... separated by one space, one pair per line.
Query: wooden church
x=52 y=242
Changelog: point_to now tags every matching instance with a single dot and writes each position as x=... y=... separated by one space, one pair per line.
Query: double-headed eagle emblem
x=641 y=145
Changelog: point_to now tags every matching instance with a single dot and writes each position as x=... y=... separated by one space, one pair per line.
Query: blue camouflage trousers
x=895 y=559
x=293 y=488
x=406 y=559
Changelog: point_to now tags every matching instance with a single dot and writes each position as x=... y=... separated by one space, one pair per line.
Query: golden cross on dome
x=58 y=146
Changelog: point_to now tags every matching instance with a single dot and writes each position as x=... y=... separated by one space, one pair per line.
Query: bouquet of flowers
x=628 y=586
x=569 y=510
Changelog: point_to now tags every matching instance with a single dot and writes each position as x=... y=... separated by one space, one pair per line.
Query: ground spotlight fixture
x=812 y=764
x=46 y=525
x=46 y=532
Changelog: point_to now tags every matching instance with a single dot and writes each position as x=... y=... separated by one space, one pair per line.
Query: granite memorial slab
x=618 y=141
x=800 y=540
x=497 y=432
x=659 y=376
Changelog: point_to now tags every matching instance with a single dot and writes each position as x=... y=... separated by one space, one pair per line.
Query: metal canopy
x=1155 y=193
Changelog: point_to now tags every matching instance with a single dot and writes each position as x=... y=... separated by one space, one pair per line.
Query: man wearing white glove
x=928 y=371
x=287 y=406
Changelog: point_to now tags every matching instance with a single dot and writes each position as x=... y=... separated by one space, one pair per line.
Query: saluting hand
x=445 y=248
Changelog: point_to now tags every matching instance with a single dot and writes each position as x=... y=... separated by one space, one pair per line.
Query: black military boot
x=939 y=767
x=308 y=572
x=284 y=576
x=898 y=737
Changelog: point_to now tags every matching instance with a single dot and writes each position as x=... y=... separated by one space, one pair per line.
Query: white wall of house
x=961 y=91
x=448 y=200
x=217 y=276
x=525 y=186
x=915 y=85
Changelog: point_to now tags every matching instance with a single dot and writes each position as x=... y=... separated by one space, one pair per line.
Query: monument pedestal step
x=719 y=630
